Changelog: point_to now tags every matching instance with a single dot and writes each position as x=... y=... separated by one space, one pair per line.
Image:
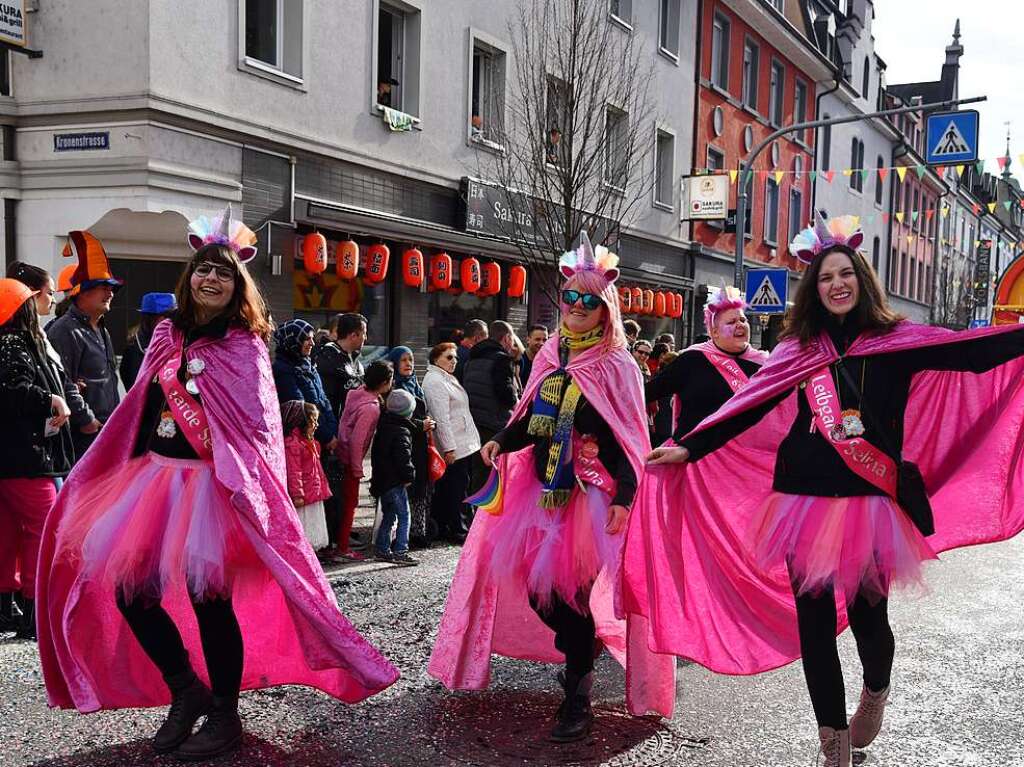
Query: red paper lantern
x=675 y=309
x=648 y=301
x=412 y=268
x=517 y=281
x=441 y=271
x=637 y=295
x=377 y=257
x=490 y=279
x=625 y=300
x=314 y=253
x=346 y=259
x=469 y=274
x=660 y=304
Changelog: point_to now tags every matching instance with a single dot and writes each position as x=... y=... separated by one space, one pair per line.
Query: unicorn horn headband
x=586 y=258
x=814 y=240
x=225 y=231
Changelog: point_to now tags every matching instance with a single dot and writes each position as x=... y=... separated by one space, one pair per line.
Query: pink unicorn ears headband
x=587 y=258
x=720 y=300
x=225 y=231
x=813 y=240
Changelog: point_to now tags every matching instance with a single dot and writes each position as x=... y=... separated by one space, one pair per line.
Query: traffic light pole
x=747 y=169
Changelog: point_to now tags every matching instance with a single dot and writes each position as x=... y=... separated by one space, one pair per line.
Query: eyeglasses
x=641 y=353
x=223 y=273
x=589 y=300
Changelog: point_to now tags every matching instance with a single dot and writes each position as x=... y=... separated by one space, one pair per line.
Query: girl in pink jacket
x=307 y=483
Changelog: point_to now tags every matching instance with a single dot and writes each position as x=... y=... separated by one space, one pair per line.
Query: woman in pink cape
x=181 y=506
x=766 y=549
x=546 y=566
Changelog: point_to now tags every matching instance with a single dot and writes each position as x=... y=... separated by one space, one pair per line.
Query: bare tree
x=953 y=304
x=577 y=136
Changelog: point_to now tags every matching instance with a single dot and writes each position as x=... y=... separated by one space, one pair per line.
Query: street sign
x=767 y=290
x=952 y=137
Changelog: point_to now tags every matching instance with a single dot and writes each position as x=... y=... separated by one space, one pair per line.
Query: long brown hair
x=806 y=319
x=247 y=309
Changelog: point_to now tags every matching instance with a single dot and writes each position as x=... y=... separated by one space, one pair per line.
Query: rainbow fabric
x=488 y=498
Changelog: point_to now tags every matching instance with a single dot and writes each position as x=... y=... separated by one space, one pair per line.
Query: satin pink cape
x=688 y=565
x=708 y=347
x=480 y=618
x=292 y=629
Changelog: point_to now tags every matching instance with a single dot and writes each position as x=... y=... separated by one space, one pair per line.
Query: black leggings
x=816 y=617
x=218 y=631
x=575 y=635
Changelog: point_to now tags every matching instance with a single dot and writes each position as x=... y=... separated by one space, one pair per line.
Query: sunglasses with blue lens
x=589 y=300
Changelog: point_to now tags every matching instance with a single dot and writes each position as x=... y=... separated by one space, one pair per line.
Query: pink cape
x=708 y=348
x=292 y=628
x=480 y=618
x=688 y=567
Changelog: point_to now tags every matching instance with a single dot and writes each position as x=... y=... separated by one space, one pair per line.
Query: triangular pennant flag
x=847 y=172
x=1003 y=162
x=899 y=217
x=910 y=239
x=930 y=213
x=882 y=173
x=870 y=219
x=856 y=220
x=960 y=170
x=975 y=209
x=732 y=176
x=901 y=171
x=885 y=218
x=829 y=175
x=1007 y=204
x=991 y=207
x=920 y=170
x=778 y=176
x=864 y=174
x=940 y=170
x=913 y=216
x=980 y=166
x=814 y=176
x=945 y=211
x=1022 y=203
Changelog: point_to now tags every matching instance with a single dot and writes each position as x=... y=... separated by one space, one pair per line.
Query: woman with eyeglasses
x=174 y=541
x=456 y=436
x=538 y=574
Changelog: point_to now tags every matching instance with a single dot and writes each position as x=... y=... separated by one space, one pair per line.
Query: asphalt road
x=957 y=694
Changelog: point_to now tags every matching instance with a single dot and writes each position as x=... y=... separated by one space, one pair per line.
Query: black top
x=340 y=372
x=491 y=381
x=88 y=356
x=131 y=360
x=391 y=460
x=177 y=446
x=587 y=421
x=701 y=388
x=806 y=464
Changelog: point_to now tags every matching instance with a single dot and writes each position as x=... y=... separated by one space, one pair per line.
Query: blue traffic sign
x=767 y=290
x=952 y=137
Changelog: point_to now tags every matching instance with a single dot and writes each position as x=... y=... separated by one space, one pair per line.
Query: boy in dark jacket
x=393 y=472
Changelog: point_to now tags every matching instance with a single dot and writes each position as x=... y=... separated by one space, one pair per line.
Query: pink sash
x=187 y=412
x=729 y=368
x=864 y=459
x=588 y=466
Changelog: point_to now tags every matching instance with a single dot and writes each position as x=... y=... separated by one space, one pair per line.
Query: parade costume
x=538 y=575
x=183 y=501
x=776 y=508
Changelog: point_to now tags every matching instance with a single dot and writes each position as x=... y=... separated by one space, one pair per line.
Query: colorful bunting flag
x=960 y=170
x=945 y=211
x=913 y=216
x=1003 y=162
x=929 y=213
x=1007 y=204
x=910 y=239
x=975 y=209
x=899 y=217
x=980 y=166
x=778 y=176
x=885 y=218
x=814 y=176
x=864 y=175
x=882 y=174
x=856 y=220
x=847 y=172
x=870 y=218
x=901 y=171
x=829 y=175
x=732 y=176
x=920 y=171
x=991 y=207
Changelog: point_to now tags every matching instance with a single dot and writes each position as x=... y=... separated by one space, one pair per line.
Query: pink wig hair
x=592 y=281
x=722 y=301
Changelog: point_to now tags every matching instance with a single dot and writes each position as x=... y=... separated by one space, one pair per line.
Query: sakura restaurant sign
x=12 y=23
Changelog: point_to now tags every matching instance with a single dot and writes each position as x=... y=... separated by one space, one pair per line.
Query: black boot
x=27 y=624
x=10 y=619
x=221 y=733
x=574 y=715
x=190 y=699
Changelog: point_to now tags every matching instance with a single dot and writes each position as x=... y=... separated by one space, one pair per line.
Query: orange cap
x=13 y=293
x=64 y=280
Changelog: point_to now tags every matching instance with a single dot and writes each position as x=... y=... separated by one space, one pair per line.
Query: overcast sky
x=911 y=37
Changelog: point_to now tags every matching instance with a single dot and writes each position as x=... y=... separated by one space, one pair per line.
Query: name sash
x=729 y=368
x=187 y=412
x=864 y=459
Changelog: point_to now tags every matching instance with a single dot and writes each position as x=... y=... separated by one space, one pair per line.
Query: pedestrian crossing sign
x=767 y=290
x=952 y=137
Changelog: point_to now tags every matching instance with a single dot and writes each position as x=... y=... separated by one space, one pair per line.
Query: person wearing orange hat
x=81 y=338
x=35 y=438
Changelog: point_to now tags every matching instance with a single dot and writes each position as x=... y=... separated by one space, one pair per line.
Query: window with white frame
x=622 y=10
x=616 y=126
x=720 y=33
x=796 y=208
x=398 y=58
x=771 y=211
x=800 y=106
x=555 y=109
x=273 y=36
x=487 y=97
x=776 y=92
x=668 y=27
x=751 y=70
x=664 y=168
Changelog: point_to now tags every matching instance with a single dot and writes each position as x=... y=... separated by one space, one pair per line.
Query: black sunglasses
x=590 y=301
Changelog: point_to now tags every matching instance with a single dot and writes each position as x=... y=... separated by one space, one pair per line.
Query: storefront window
x=450 y=312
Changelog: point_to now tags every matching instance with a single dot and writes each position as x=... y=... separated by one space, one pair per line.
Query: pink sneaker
x=866 y=723
x=835 y=745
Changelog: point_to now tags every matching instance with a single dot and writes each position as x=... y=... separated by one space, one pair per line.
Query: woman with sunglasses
x=182 y=509
x=538 y=573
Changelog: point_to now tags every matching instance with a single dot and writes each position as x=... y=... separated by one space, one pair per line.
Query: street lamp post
x=748 y=164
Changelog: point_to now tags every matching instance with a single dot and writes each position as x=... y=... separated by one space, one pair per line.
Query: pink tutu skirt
x=556 y=551
x=858 y=544
x=156 y=524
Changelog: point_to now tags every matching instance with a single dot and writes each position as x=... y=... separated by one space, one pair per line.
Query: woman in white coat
x=456 y=437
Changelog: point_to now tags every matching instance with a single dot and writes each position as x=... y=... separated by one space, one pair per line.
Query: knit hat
x=401 y=403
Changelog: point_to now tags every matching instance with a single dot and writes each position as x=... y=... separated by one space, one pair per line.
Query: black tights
x=816 y=617
x=575 y=635
x=218 y=631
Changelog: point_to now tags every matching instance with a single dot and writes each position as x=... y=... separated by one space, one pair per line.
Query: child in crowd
x=356 y=426
x=393 y=472
x=307 y=483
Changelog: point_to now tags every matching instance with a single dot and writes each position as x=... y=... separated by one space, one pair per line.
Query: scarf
x=408 y=383
x=554 y=410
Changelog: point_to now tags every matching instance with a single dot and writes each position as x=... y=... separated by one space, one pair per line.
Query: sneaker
x=404 y=560
x=383 y=556
x=866 y=723
x=835 y=745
